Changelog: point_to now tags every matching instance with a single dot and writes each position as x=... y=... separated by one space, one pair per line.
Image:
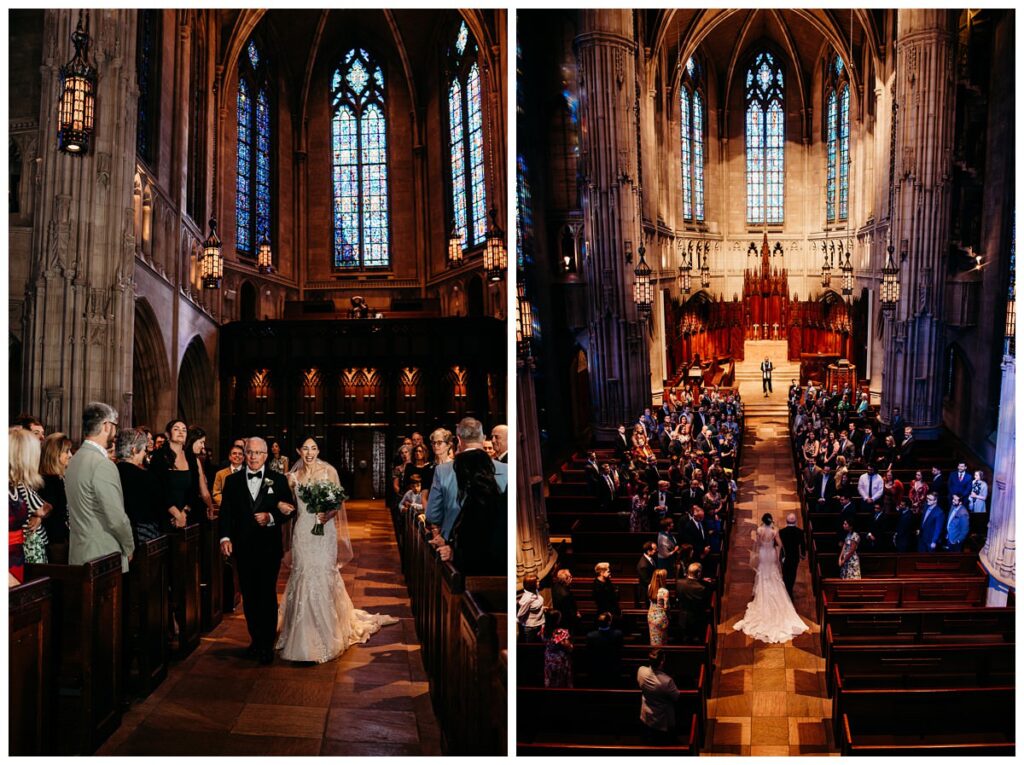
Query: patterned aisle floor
x=766 y=699
x=374 y=700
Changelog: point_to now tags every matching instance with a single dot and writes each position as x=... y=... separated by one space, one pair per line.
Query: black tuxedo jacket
x=793 y=544
x=693 y=598
x=238 y=510
x=645 y=571
x=830 y=491
x=691 y=535
x=605 y=493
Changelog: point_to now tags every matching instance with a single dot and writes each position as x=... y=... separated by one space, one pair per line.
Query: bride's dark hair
x=766 y=519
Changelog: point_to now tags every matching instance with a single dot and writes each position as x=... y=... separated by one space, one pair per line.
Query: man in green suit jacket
x=99 y=524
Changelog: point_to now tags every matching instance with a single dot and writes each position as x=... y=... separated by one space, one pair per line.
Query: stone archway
x=151 y=376
x=196 y=389
x=247 y=301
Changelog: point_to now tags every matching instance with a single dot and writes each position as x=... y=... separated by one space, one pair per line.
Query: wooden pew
x=919 y=722
x=903 y=565
x=184 y=557
x=896 y=593
x=211 y=573
x=966 y=665
x=609 y=719
x=868 y=626
x=86 y=650
x=689 y=747
x=146 y=650
x=30 y=680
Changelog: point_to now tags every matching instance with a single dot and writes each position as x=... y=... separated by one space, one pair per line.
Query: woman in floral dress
x=849 y=562
x=657 y=614
x=557 y=652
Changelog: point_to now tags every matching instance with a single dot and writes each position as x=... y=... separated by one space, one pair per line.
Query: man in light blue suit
x=443 y=503
x=932 y=524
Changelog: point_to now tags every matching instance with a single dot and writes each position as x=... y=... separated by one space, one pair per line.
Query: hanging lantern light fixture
x=847 y=270
x=826 y=267
x=524 y=323
x=705 y=268
x=889 y=292
x=213 y=263
x=685 y=269
x=495 y=254
x=643 y=287
x=264 y=255
x=454 y=248
x=77 y=107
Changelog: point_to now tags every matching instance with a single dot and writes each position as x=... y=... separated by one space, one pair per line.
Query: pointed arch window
x=468 y=198
x=837 y=142
x=524 y=215
x=691 y=142
x=253 y=177
x=359 y=166
x=765 y=136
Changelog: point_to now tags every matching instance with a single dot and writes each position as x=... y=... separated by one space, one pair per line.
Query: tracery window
x=468 y=199
x=360 y=163
x=765 y=137
x=691 y=141
x=837 y=138
x=253 y=181
x=524 y=215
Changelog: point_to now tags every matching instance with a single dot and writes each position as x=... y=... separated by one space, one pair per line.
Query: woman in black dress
x=419 y=465
x=52 y=466
x=173 y=473
x=139 y=486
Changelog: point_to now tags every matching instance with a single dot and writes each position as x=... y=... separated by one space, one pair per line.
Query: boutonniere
x=269 y=484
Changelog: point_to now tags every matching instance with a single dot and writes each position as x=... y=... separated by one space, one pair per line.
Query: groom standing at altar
x=255 y=500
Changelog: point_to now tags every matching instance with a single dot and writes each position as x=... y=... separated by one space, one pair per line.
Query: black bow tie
x=249 y=476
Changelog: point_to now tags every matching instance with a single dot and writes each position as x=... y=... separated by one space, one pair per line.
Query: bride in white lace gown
x=770 y=616
x=318 y=621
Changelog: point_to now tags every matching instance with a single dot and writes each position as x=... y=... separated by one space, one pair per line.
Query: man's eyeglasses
x=251 y=451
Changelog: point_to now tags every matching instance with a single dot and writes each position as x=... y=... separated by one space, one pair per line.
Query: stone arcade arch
x=151 y=376
x=197 y=388
x=247 y=301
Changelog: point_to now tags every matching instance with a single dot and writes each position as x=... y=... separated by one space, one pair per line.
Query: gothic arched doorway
x=247 y=302
x=151 y=376
x=196 y=387
x=579 y=399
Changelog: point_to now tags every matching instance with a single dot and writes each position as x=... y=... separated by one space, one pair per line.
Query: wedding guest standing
x=979 y=493
x=26 y=508
x=236 y=456
x=443 y=444
x=563 y=601
x=849 y=561
x=277 y=462
x=420 y=465
x=557 y=652
x=138 y=486
x=173 y=472
x=53 y=466
x=657 y=613
x=658 y=704
x=530 y=613
x=606 y=595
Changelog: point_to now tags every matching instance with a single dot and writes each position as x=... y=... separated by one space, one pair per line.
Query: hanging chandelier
x=826 y=267
x=77 y=106
x=524 y=322
x=454 y=248
x=705 y=268
x=1010 y=335
x=495 y=254
x=847 y=270
x=264 y=255
x=212 y=264
x=643 y=287
x=889 y=292
x=685 y=269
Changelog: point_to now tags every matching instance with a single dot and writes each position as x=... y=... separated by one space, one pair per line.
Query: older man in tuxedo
x=254 y=503
x=794 y=550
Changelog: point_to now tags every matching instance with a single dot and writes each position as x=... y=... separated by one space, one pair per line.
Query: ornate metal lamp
x=685 y=269
x=454 y=248
x=495 y=254
x=524 y=323
x=1010 y=336
x=705 y=268
x=643 y=287
x=213 y=263
x=889 y=291
x=826 y=267
x=77 y=107
x=847 y=271
x=264 y=256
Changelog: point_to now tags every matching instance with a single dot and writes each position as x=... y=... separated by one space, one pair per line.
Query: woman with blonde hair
x=26 y=509
x=52 y=466
x=657 y=613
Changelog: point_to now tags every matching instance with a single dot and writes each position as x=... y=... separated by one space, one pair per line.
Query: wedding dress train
x=318 y=620
x=770 y=616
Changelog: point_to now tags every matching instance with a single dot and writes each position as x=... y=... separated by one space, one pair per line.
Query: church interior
x=261 y=223
x=711 y=204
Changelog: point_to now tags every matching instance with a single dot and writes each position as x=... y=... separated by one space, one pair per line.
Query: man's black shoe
x=267 y=656
x=252 y=651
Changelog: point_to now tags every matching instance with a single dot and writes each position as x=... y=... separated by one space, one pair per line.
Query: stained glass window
x=524 y=215
x=359 y=167
x=253 y=174
x=691 y=142
x=466 y=140
x=147 y=56
x=837 y=138
x=765 y=135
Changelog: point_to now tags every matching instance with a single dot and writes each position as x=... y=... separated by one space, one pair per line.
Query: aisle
x=766 y=699
x=374 y=700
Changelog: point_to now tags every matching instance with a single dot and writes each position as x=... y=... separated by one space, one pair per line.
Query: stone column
x=925 y=120
x=999 y=554
x=618 y=352
x=534 y=556
x=80 y=301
